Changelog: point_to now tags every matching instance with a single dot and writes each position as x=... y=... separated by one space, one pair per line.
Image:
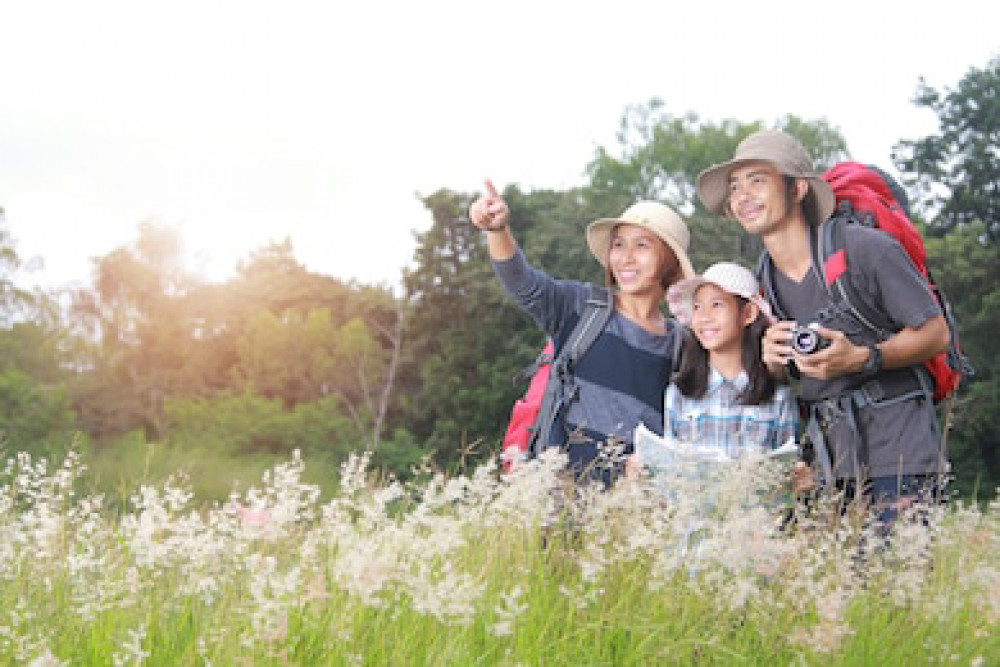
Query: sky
x=242 y=123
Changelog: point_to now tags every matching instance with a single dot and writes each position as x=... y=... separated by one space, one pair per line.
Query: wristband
x=494 y=227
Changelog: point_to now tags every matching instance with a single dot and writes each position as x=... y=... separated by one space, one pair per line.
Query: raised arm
x=491 y=214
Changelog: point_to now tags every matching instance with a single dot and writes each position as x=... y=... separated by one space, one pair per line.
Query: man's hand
x=490 y=211
x=839 y=358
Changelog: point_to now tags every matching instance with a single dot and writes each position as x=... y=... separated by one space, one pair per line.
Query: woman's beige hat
x=652 y=215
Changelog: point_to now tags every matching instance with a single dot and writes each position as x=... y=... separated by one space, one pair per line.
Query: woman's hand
x=490 y=212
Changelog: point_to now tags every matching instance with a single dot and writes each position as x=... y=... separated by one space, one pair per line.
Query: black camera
x=807 y=341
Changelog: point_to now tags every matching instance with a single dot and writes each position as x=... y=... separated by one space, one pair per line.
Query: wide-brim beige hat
x=788 y=156
x=652 y=215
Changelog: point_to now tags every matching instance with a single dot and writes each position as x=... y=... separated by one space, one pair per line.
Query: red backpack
x=524 y=414
x=535 y=413
x=866 y=195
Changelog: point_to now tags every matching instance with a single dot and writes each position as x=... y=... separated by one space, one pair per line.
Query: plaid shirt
x=718 y=420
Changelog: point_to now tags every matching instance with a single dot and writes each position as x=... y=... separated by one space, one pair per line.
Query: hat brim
x=713 y=190
x=681 y=294
x=599 y=242
x=680 y=299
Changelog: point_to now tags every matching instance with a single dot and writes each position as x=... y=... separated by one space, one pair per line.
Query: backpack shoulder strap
x=594 y=317
x=680 y=331
x=829 y=249
x=560 y=390
x=765 y=278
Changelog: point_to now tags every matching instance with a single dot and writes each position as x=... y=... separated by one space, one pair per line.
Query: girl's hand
x=633 y=466
x=776 y=345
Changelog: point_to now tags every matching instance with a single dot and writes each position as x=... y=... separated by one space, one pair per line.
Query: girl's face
x=639 y=260
x=718 y=318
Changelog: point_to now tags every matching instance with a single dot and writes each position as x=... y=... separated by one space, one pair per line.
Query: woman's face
x=639 y=260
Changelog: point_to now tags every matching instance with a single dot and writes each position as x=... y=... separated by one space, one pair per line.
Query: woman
x=622 y=377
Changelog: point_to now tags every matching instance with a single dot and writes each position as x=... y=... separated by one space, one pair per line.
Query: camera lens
x=805 y=340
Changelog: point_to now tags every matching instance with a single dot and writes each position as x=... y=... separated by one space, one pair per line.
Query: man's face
x=758 y=198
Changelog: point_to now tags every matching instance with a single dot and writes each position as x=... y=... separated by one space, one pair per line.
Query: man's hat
x=787 y=155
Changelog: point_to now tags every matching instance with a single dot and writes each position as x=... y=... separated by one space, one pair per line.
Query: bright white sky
x=243 y=122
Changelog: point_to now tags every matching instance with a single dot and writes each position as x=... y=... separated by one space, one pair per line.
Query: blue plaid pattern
x=718 y=420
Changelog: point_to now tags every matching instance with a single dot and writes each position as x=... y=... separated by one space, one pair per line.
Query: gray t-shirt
x=896 y=437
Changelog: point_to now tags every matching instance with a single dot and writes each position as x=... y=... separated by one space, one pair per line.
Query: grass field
x=481 y=570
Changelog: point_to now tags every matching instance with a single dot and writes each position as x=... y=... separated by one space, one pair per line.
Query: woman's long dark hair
x=692 y=378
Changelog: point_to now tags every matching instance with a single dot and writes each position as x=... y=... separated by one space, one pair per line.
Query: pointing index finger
x=491 y=190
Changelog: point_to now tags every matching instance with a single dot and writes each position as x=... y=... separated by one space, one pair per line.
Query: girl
x=723 y=400
x=621 y=379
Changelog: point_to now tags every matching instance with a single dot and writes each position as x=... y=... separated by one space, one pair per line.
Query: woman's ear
x=750 y=312
x=801 y=189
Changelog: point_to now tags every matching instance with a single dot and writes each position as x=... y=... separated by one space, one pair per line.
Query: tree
x=462 y=334
x=135 y=311
x=13 y=299
x=965 y=267
x=955 y=172
x=35 y=411
x=955 y=175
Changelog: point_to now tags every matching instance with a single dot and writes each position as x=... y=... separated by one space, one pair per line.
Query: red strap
x=835 y=266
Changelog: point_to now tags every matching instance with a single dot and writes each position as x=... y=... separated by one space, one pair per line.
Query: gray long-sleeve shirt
x=621 y=378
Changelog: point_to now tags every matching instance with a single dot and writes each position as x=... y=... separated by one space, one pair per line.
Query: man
x=869 y=400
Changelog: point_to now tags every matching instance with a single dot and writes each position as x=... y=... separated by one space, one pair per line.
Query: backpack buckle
x=868 y=394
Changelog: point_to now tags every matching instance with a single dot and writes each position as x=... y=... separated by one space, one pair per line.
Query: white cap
x=729 y=276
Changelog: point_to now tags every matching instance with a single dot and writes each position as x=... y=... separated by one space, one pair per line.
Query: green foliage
x=400 y=455
x=36 y=415
x=13 y=299
x=247 y=423
x=965 y=266
x=955 y=170
x=136 y=312
x=34 y=418
x=955 y=175
x=289 y=357
x=118 y=469
x=162 y=337
x=459 y=321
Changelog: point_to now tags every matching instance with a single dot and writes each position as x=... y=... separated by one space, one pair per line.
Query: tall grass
x=481 y=570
